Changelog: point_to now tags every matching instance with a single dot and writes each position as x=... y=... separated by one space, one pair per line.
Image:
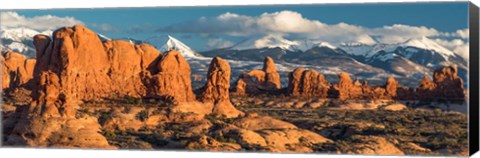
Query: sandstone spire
x=391 y=87
x=216 y=90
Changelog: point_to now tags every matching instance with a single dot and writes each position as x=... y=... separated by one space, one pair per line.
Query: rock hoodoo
x=216 y=90
x=272 y=78
x=307 y=83
x=391 y=87
x=257 y=81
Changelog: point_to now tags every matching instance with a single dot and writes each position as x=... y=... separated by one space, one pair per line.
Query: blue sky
x=197 y=26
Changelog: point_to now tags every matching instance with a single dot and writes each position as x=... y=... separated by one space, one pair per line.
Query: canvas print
x=374 y=78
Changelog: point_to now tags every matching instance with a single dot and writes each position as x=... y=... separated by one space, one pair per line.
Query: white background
x=74 y=153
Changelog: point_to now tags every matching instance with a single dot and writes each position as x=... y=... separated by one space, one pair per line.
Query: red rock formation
x=216 y=90
x=173 y=78
x=449 y=85
x=272 y=78
x=446 y=86
x=127 y=62
x=257 y=81
x=393 y=90
x=17 y=70
x=74 y=67
x=307 y=83
x=405 y=93
x=391 y=87
x=346 y=89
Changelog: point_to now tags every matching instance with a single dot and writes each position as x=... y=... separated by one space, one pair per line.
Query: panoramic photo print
x=370 y=79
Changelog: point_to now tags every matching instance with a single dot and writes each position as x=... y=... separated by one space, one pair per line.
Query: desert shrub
x=104 y=116
x=110 y=135
x=142 y=115
x=132 y=100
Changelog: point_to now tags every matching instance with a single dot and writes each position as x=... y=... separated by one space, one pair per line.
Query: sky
x=207 y=28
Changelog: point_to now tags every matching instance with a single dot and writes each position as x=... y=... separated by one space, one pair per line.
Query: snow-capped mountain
x=411 y=47
x=408 y=60
x=417 y=53
x=19 y=39
x=174 y=44
x=275 y=41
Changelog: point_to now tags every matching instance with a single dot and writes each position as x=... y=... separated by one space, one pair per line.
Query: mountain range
x=407 y=61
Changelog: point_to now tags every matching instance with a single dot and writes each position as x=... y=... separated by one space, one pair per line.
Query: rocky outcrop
x=127 y=65
x=91 y=70
x=172 y=79
x=391 y=87
x=425 y=88
x=446 y=86
x=346 y=89
x=17 y=70
x=255 y=122
x=258 y=81
x=74 y=67
x=269 y=134
x=373 y=145
x=307 y=83
x=210 y=144
x=449 y=85
x=272 y=78
x=216 y=90
x=51 y=121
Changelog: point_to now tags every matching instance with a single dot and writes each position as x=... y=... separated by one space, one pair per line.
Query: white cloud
x=217 y=43
x=105 y=27
x=294 y=25
x=465 y=33
x=44 y=22
x=400 y=33
x=456 y=45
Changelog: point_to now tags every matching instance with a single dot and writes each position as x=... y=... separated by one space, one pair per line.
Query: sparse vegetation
x=132 y=100
x=432 y=129
x=142 y=115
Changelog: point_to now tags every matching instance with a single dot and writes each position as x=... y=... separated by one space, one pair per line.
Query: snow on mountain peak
x=366 y=50
x=21 y=33
x=174 y=44
x=269 y=41
x=276 y=41
x=427 y=44
x=19 y=39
